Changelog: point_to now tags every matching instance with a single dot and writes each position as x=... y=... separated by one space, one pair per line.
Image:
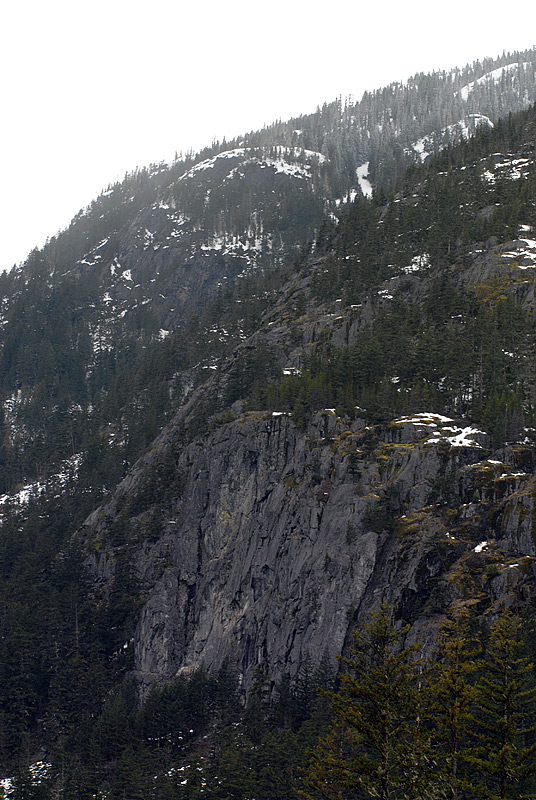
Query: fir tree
x=376 y=746
x=503 y=751
x=450 y=697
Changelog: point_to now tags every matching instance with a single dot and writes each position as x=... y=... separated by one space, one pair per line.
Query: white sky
x=91 y=90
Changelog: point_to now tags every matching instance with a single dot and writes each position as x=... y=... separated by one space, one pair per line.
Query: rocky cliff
x=282 y=537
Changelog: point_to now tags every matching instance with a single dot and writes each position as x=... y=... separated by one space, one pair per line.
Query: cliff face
x=244 y=399
x=282 y=537
x=263 y=567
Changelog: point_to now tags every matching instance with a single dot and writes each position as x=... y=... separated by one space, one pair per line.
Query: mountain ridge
x=235 y=473
x=146 y=232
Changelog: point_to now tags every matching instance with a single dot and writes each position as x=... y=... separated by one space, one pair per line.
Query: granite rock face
x=279 y=539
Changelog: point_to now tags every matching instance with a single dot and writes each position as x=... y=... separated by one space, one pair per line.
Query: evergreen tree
x=376 y=746
x=503 y=751
x=450 y=697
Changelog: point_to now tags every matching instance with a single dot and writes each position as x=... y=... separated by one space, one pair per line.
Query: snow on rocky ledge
x=437 y=428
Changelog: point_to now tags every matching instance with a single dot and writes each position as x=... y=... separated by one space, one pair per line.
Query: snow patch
x=457 y=437
x=443 y=429
x=386 y=294
x=417 y=263
x=362 y=178
x=495 y=76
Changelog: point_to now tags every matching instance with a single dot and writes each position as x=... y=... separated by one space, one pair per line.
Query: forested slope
x=224 y=443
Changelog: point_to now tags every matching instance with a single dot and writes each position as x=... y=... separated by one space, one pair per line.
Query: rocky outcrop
x=279 y=539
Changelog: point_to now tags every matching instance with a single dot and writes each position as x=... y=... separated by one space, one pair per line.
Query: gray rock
x=281 y=539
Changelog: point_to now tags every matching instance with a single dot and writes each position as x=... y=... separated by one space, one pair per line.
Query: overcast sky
x=91 y=90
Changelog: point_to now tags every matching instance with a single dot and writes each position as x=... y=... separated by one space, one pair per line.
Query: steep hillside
x=164 y=252
x=223 y=446
x=396 y=438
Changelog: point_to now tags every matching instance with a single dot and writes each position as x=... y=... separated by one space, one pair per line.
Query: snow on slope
x=362 y=177
x=286 y=162
x=508 y=167
x=458 y=130
x=494 y=75
x=20 y=498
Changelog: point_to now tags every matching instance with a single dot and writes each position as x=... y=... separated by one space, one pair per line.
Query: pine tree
x=376 y=746
x=504 y=722
x=451 y=693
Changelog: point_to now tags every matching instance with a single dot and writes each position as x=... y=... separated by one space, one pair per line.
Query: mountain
x=287 y=498
x=247 y=396
x=159 y=251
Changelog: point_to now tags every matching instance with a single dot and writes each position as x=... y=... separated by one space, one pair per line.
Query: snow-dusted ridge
x=209 y=163
x=495 y=75
x=289 y=161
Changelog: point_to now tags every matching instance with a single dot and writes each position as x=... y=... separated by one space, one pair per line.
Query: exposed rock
x=281 y=538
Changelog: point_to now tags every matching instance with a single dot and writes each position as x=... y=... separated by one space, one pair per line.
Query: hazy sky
x=91 y=90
